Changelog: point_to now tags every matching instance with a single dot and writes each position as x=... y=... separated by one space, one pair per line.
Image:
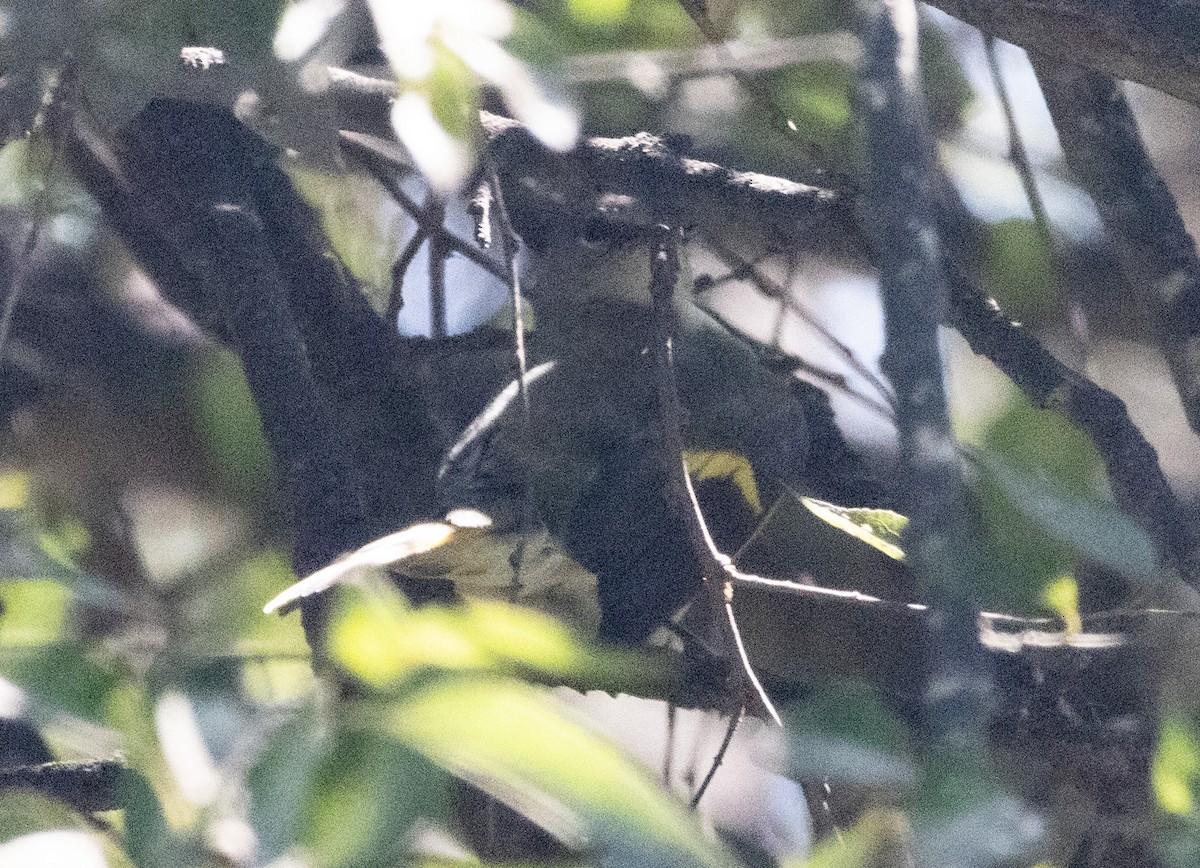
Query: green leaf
x=148 y=839
x=846 y=733
x=34 y=613
x=280 y=780
x=379 y=639
x=64 y=676
x=365 y=796
x=1176 y=767
x=236 y=448
x=878 y=837
x=24 y=812
x=878 y=528
x=1018 y=269
x=594 y=12
x=706 y=464
x=1093 y=528
x=514 y=743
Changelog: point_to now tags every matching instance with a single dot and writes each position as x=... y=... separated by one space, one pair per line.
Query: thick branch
x=87 y=786
x=642 y=168
x=1104 y=150
x=1152 y=42
x=902 y=210
x=1137 y=481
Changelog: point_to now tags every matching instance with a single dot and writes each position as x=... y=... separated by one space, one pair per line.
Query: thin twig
x=771 y=289
x=508 y=249
x=429 y=224
x=1016 y=147
x=41 y=204
x=400 y=269
x=734 y=720
x=775 y=358
x=669 y=753
x=437 y=268
x=717 y=592
x=1018 y=155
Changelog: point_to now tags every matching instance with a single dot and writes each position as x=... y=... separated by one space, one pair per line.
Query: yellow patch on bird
x=705 y=464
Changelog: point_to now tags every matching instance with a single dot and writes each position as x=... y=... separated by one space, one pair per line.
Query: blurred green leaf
x=1022 y=556
x=228 y=420
x=879 y=837
x=67 y=677
x=516 y=744
x=366 y=794
x=818 y=98
x=148 y=838
x=34 y=612
x=1176 y=768
x=1062 y=595
x=1018 y=269
x=40 y=832
x=1091 y=527
x=280 y=781
x=845 y=733
x=24 y=812
x=349 y=207
x=598 y=11
x=378 y=638
x=225 y=614
x=131 y=713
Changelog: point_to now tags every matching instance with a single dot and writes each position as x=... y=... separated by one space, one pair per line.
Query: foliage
x=152 y=502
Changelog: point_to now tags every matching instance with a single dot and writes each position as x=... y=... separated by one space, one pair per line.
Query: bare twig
x=427 y=222
x=400 y=269
x=771 y=289
x=1016 y=148
x=669 y=752
x=438 y=249
x=59 y=84
x=719 y=757
x=508 y=249
x=717 y=593
x=1019 y=157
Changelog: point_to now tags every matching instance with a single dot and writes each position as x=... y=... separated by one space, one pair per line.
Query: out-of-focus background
x=141 y=524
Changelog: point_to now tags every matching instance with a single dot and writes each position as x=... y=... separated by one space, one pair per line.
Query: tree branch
x=902 y=210
x=97 y=785
x=1100 y=138
x=1152 y=42
x=1139 y=487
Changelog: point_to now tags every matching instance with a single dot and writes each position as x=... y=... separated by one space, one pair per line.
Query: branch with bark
x=903 y=223
x=1104 y=150
x=1152 y=42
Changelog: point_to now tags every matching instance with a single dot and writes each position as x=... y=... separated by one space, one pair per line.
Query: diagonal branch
x=1153 y=42
x=1100 y=138
x=1139 y=487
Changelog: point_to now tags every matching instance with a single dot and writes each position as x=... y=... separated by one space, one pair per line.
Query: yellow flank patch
x=705 y=464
